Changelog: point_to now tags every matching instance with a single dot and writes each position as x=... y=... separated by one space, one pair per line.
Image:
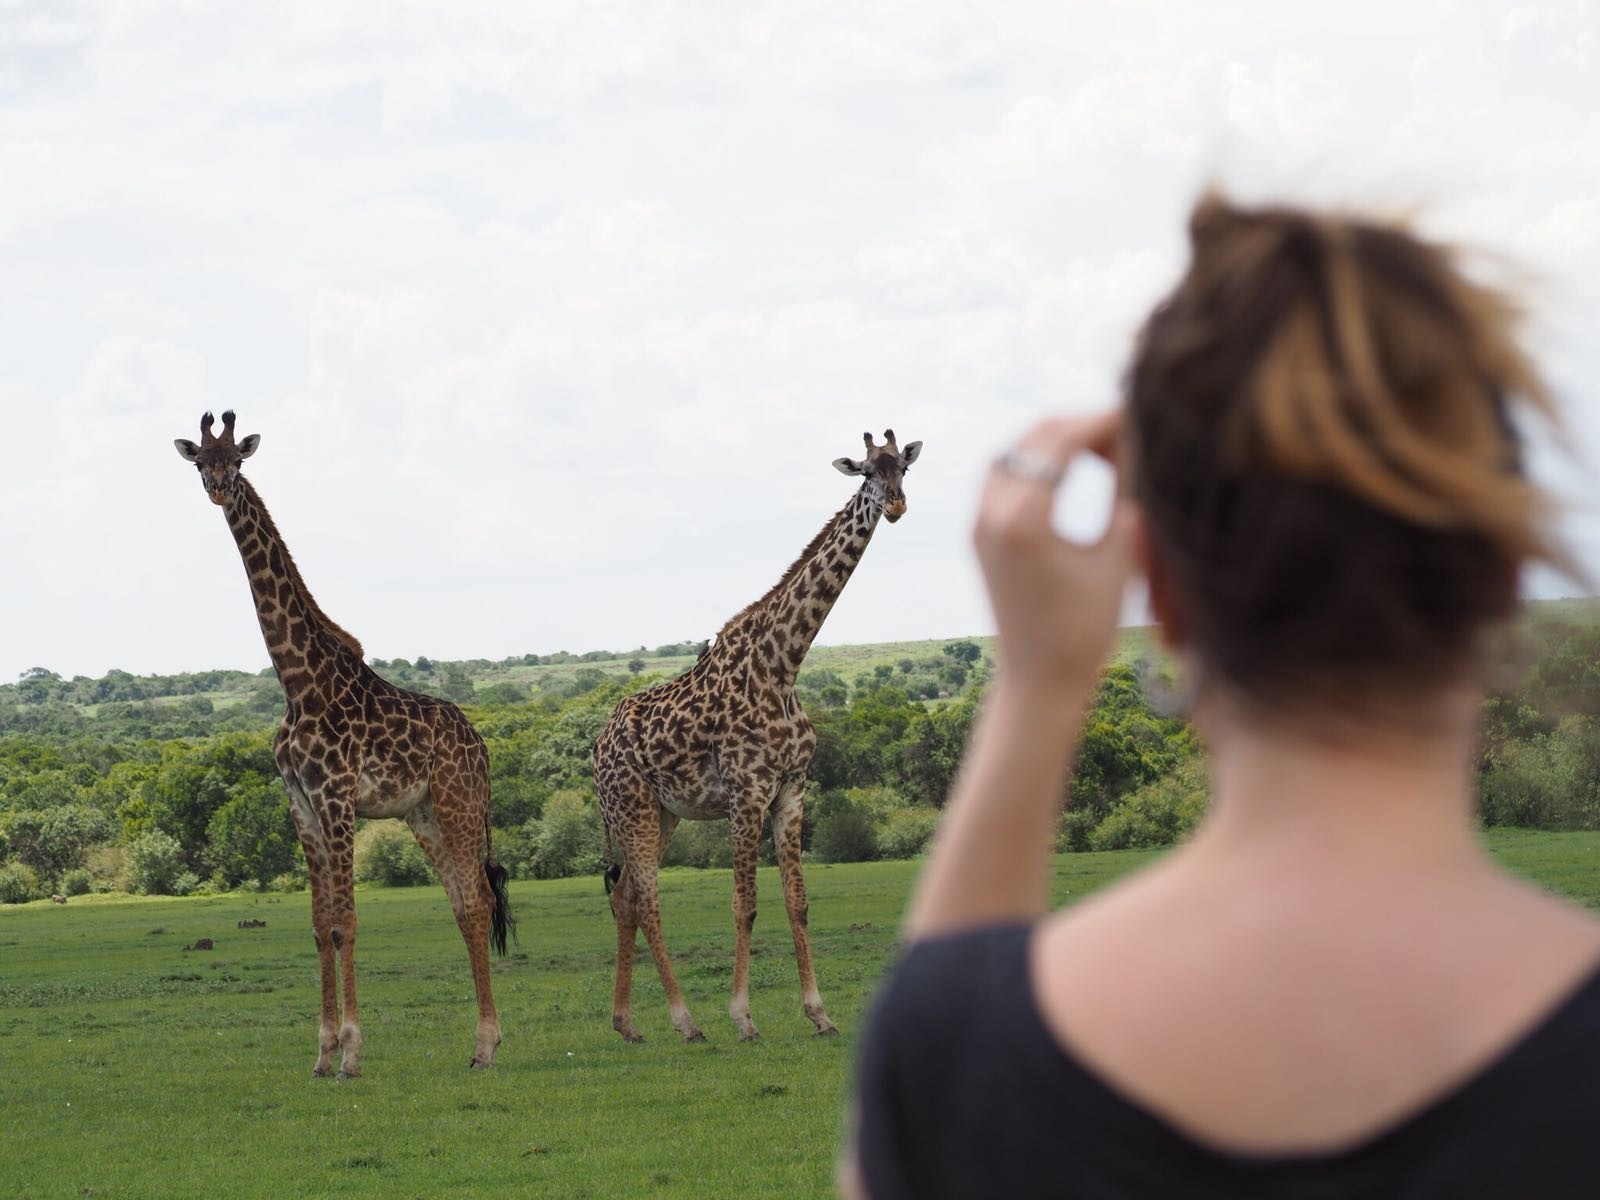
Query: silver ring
x=1035 y=468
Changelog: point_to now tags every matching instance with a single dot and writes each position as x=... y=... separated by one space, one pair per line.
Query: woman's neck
x=1355 y=798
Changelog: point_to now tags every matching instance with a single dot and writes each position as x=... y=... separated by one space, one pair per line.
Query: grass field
x=131 y=1066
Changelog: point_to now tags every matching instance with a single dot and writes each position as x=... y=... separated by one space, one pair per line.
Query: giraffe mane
x=313 y=609
x=795 y=567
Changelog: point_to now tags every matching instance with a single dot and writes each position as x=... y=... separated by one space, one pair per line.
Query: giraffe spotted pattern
x=354 y=745
x=728 y=740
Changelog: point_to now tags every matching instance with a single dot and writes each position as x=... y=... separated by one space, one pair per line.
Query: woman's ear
x=1165 y=604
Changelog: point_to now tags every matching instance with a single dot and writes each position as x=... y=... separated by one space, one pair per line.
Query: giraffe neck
x=300 y=637
x=780 y=627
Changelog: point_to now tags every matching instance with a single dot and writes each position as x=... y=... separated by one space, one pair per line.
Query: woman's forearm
x=991 y=859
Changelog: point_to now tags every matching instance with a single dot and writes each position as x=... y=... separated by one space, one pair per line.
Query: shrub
x=19 y=884
x=846 y=834
x=567 y=839
x=77 y=882
x=108 y=865
x=289 y=881
x=1158 y=813
x=154 y=864
x=905 y=832
x=386 y=854
x=1076 y=826
x=701 y=844
x=513 y=850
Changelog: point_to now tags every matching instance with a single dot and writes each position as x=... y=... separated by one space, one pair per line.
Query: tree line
x=174 y=793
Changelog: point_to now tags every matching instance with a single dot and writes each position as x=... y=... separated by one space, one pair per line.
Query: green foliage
x=155 y=864
x=388 y=855
x=251 y=838
x=19 y=884
x=1157 y=814
x=567 y=839
x=56 y=839
x=79 y=881
x=845 y=835
x=701 y=844
x=905 y=832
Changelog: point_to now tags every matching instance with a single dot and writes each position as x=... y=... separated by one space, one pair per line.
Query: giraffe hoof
x=750 y=1035
x=633 y=1039
x=827 y=1031
x=694 y=1035
x=477 y=1064
x=321 y=1072
x=352 y=1073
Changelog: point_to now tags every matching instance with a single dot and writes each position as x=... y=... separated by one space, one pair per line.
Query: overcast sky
x=551 y=317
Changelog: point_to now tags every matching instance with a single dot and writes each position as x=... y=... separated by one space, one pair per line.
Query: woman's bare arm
x=1056 y=606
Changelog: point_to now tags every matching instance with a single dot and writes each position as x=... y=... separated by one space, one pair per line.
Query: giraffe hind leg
x=641 y=830
x=454 y=848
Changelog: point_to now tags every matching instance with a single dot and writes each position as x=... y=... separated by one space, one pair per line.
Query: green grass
x=132 y=1067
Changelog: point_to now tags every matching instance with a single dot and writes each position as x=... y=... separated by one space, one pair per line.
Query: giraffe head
x=218 y=458
x=885 y=467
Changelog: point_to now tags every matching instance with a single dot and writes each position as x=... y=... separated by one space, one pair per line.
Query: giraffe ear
x=189 y=451
x=847 y=466
x=909 y=454
x=248 y=446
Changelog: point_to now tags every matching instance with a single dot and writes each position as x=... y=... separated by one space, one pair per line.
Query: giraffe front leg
x=314 y=844
x=786 y=823
x=343 y=937
x=746 y=831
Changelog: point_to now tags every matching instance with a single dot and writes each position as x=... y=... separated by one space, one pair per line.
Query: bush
x=1159 y=813
x=19 y=884
x=1077 y=824
x=513 y=850
x=108 y=866
x=846 y=834
x=289 y=881
x=905 y=833
x=154 y=864
x=77 y=882
x=568 y=838
x=386 y=854
x=701 y=844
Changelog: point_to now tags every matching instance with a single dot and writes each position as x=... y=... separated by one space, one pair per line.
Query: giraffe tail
x=501 y=922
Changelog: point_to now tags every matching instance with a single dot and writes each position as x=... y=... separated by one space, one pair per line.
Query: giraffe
x=354 y=745
x=728 y=740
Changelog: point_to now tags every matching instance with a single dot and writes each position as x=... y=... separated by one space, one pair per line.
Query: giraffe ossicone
x=728 y=740
x=354 y=745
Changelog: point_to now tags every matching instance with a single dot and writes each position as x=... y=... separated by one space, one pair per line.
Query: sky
x=552 y=317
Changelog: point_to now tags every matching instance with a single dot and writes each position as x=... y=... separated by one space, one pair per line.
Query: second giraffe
x=728 y=740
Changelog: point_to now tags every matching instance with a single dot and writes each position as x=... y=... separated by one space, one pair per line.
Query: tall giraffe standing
x=354 y=745
x=728 y=740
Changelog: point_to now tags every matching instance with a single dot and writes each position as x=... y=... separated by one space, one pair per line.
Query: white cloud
x=552 y=316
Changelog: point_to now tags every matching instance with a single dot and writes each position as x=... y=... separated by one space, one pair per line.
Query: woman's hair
x=1324 y=450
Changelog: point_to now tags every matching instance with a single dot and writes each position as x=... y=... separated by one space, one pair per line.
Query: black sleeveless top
x=964 y=1091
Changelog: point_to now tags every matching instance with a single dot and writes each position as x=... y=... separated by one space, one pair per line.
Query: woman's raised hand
x=1055 y=602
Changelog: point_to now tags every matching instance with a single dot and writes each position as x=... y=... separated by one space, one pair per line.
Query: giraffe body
x=354 y=745
x=728 y=740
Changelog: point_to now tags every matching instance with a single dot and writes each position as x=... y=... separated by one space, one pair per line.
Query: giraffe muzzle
x=894 y=510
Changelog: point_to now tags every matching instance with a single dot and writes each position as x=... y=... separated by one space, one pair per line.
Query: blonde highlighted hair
x=1324 y=423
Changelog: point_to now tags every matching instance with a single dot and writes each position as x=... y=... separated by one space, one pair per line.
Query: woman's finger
x=1020 y=491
